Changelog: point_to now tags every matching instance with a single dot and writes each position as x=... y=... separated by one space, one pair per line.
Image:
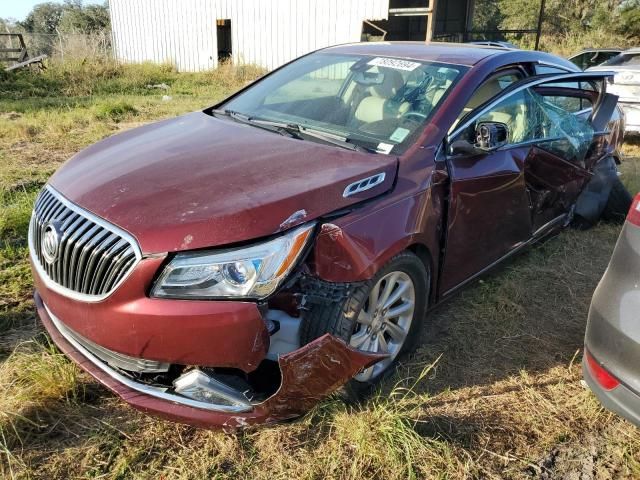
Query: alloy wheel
x=383 y=323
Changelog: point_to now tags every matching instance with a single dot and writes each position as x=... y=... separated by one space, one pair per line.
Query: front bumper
x=308 y=374
x=186 y=332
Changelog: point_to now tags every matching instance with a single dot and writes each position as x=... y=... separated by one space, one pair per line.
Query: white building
x=195 y=34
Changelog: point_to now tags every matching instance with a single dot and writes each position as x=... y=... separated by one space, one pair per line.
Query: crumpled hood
x=197 y=181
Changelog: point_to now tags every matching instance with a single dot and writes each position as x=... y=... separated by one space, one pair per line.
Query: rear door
x=503 y=197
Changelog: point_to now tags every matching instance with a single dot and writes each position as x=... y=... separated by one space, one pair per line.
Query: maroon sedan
x=234 y=265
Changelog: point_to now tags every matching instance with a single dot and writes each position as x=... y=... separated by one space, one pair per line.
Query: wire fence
x=62 y=45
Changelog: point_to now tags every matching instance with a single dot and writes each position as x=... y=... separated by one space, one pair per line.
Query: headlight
x=251 y=272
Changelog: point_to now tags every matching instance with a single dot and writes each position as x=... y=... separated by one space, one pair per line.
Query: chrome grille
x=92 y=257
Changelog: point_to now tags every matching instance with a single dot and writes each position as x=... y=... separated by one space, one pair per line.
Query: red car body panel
x=308 y=375
x=198 y=181
x=187 y=332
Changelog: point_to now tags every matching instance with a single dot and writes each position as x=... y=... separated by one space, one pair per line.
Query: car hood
x=198 y=181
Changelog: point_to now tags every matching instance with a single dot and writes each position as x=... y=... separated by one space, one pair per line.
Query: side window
x=573 y=100
x=578 y=60
x=489 y=89
x=529 y=117
x=547 y=69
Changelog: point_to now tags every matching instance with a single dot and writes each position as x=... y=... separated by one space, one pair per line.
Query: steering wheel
x=414 y=115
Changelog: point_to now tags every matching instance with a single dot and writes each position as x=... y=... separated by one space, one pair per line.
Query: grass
x=494 y=391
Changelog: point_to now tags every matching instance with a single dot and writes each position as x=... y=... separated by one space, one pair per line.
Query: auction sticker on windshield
x=394 y=63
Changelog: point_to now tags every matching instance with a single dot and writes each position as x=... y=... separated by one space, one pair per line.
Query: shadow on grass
x=62 y=423
x=528 y=315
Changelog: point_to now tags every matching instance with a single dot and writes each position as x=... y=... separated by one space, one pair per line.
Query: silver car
x=611 y=362
x=626 y=85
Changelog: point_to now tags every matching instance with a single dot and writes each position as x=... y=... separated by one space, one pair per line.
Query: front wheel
x=383 y=315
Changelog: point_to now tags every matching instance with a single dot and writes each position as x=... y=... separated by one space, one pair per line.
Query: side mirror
x=462 y=147
x=491 y=135
x=488 y=137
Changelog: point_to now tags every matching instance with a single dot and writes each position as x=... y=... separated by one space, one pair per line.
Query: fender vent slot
x=364 y=184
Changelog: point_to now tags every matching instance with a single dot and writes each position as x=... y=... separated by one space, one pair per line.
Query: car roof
x=457 y=53
x=632 y=50
x=607 y=49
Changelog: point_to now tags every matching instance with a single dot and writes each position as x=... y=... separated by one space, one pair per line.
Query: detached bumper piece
x=308 y=374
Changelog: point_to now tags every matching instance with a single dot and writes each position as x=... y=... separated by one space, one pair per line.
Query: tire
x=340 y=318
x=618 y=203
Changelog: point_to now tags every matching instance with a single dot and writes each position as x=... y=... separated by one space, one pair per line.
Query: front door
x=516 y=166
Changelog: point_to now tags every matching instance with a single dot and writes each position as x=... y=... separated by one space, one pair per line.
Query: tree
x=84 y=19
x=561 y=16
x=630 y=19
x=43 y=18
x=71 y=17
x=487 y=15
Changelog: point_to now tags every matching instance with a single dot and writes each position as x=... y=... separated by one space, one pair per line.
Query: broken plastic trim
x=137 y=386
x=308 y=375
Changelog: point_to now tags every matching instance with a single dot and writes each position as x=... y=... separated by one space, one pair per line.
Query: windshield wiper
x=301 y=131
x=247 y=119
x=295 y=130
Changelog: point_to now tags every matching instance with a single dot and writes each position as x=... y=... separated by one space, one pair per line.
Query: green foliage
x=70 y=17
x=487 y=15
x=15 y=212
x=115 y=111
x=629 y=23
x=43 y=18
x=564 y=20
x=84 y=18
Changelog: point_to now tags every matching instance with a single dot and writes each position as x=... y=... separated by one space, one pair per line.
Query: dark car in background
x=611 y=362
x=592 y=57
x=235 y=265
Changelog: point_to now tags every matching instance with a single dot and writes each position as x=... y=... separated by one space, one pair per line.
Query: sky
x=19 y=9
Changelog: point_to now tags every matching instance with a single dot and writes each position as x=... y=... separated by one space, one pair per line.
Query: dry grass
x=494 y=391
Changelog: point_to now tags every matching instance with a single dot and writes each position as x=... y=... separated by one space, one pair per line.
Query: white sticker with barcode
x=394 y=63
x=384 y=148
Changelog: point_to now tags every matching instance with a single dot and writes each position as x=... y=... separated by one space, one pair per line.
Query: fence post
x=60 y=41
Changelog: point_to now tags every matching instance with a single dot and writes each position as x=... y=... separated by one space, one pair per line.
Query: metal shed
x=195 y=35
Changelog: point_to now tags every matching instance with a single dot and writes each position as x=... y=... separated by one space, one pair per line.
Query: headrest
x=484 y=93
x=392 y=82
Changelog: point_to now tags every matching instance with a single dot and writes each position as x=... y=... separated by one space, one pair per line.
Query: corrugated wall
x=264 y=32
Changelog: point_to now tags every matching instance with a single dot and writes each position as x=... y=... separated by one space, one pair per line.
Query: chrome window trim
x=558 y=66
x=67 y=292
x=145 y=389
x=531 y=82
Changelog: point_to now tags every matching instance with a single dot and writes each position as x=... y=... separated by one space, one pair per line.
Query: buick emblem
x=50 y=242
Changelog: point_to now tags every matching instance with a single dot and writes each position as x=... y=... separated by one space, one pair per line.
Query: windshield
x=625 y=59
x=379 y=103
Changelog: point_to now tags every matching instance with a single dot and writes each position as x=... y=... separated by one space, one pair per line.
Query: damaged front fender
x=308 y=375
